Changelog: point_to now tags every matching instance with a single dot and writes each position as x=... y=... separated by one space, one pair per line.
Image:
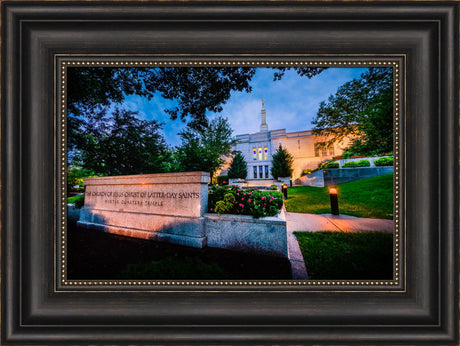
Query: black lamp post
x=284 y=190
x=334 y=200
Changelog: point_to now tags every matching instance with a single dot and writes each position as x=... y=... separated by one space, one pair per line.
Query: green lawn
x=73 y=199
x=340 y=255
x=371 y=197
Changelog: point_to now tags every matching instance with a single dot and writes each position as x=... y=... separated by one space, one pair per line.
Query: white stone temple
x=259 y=147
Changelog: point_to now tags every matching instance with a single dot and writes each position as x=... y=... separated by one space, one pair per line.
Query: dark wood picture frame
x=421 y=309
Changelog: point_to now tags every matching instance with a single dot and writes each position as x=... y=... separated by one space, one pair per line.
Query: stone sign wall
x=167 y=207
x=172 y=208
x=178 y=194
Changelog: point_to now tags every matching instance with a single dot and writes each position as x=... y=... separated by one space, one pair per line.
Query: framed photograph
x=230 y=172
x=206 y=204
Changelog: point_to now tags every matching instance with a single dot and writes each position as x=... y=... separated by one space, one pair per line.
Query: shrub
x=75 y=176
x=332 y=165
x=347 y=155
x=222 y=179
x=322 y=165
x=350 y=164
x=226 y=205
x=233 y=200
x=384 y=161
x=217 y=193
x=79 y=201
x=364 y=163
x=307 y=171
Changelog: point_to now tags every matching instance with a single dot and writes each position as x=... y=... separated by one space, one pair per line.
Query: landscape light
x=334 y=200
x=284 y=190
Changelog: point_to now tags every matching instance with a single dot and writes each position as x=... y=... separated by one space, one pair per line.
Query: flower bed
x=234 y=200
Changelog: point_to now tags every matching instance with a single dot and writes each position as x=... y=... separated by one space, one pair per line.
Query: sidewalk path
x=324 y=222
x=329 y=222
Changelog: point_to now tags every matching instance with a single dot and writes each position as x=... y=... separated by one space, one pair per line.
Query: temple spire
x=263 y=124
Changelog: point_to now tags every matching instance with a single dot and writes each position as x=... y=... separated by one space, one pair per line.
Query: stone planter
x=285 y=180
x=266 y=235
x=238 y=182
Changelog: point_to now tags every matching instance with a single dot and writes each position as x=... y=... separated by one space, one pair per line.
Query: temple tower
x=263 y=124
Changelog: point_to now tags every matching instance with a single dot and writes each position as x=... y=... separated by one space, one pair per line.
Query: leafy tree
x=75 y=177
x=196 y=90
x=238 y=168
x=119 y=144
x=363 y=109
x=92 y=91
x=303 y=71
x=204 y=149
x=282 y=162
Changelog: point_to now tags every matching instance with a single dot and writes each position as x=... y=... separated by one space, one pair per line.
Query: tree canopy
x=120 y=143
x=363 y=109
x=282 y=161
x=204 y=149
x=195 y=89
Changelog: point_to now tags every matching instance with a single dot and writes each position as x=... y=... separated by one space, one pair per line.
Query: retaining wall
x=335 y=176
x=266 y=235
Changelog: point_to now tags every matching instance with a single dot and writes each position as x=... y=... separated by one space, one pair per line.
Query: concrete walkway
x=324 y=222
x=329 y=222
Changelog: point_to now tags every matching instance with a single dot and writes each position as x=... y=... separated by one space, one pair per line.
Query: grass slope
x=73 y=199
x=370 y=197
x=340 y=255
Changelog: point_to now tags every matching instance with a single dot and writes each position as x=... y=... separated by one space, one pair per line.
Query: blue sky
x=291 y=103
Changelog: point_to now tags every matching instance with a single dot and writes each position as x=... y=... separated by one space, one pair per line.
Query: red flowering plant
x=239 y=201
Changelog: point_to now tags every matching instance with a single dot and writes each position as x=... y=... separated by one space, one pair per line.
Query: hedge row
x=384 y=161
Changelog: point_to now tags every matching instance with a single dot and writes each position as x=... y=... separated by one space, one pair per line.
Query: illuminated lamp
x=284 y=190
x=334 y=200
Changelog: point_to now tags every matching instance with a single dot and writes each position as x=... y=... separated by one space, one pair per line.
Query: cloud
x=290 y=103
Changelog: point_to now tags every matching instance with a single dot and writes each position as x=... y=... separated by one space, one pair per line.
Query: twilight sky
x=290 y=103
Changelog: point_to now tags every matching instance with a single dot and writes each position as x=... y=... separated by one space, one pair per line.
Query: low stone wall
x=332 y=176
x=238 y=182
x=285 y=180
x=266 y=235
x=343 y=175
x=260 y=182
x=314 y=179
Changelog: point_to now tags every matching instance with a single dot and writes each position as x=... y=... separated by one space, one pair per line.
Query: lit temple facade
x=258 y=149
